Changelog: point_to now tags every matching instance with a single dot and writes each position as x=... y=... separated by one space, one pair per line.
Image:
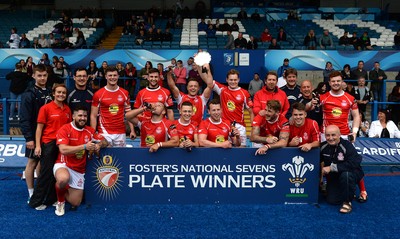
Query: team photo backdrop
x=374 y=151
x=204 y=175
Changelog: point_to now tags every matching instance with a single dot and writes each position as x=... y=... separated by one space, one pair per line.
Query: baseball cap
x=286 y=59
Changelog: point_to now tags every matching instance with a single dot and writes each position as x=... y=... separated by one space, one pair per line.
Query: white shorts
x=76 y=180
x=115 y=140
x=243 y=136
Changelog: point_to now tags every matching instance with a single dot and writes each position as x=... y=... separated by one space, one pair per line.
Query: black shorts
x=30 y=153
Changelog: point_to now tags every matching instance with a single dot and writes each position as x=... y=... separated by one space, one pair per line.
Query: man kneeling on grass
x=74 y=140
x=342 y=166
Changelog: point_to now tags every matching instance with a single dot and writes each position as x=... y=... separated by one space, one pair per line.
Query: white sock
x=30 y=190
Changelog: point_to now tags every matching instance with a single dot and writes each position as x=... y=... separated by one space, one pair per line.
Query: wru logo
x=297 y=169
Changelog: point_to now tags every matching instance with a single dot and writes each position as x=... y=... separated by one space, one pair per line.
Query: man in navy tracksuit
x=31 y=101
x=342 y=166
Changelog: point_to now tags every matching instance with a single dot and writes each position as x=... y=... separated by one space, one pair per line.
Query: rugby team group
x=63 y=129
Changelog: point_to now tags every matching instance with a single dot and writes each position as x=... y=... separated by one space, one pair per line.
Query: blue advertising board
x=205 y=175
x=374 y=151
x=379 y=151
x=12 y=153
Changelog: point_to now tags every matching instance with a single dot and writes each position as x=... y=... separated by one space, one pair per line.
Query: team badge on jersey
x=305 y=136
x=159 y=130
x=340 y=156
x=120 y=98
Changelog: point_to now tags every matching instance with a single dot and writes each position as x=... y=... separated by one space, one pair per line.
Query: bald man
x=311 y=101
x=342 y=165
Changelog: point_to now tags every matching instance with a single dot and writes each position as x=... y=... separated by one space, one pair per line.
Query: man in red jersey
x=271 y=130
x=74 y=140
x=186 y=127
x=337 y=106
x=154 y=93
x=199 y=102
x=156 y=132
x=270 y=92
x=234 y=100
x=304 y=132
x=216 y=132
x=110 y=104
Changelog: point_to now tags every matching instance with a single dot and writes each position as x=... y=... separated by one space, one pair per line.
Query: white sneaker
x=41 y=207
x=60 y=209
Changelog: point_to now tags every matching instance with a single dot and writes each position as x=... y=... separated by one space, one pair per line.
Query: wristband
x=159 y=144
x=84 y=147
x=355 y=130
x=267 y=146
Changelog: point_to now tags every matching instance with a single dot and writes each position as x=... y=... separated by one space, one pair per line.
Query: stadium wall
x=308 y=63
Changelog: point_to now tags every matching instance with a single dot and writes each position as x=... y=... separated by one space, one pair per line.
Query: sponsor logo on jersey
x=150 y=140
x=219 y=139
x=336 y=112
x=114 y=108
x=231 y=105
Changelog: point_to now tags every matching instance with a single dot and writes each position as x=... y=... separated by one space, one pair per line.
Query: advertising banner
x=12 y=153
x=379 y=151
x=374 y=151
x=205 y=175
